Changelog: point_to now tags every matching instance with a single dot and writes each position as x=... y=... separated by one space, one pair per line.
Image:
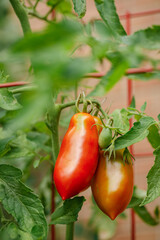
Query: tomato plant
x=40 y=78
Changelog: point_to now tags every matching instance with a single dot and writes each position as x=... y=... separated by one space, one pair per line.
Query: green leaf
x=120 y=120
x=103 y=30
x=64 y=7
x=68 y=213
x=8 y=101
x=11 y=231
x=19 y=201
x=101 y=222
x=158 y=117
x=133 y=103
x=153 y=180
x=143 y=213
x=145 y=76
x=137 y=197
x=80 y=7
x=136 y=134
x=154 y=136
x=4 y=145
x=148 y=38
x=157 y=212
x=110 y=79
x=143 y=108
x=107 y=11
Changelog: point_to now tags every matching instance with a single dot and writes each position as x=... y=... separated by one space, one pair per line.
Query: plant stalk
x=22 y=15
x=69 y=231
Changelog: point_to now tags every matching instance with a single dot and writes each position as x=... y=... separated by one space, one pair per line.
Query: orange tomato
x=112 y=184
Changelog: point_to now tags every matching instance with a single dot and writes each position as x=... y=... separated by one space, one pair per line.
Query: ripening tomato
x=78 y=156
x=112 y=184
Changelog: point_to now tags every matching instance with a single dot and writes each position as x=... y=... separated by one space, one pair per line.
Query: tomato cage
x=127 y=17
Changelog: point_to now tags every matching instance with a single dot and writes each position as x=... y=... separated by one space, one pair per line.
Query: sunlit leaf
x=136 y=134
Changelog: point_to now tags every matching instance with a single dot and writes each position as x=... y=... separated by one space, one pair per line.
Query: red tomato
x=112 y=184
x=78 y=156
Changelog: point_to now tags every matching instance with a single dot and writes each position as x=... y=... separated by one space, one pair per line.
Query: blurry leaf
x=136 y=134
x=148 y=38
x=133 y=103
x=109 y=80
x=153 y=180
x=32 y=109
x=143 y=108
x=145 y=76
x=51 y=36
x=102 y=223
x=8 y=101
x=64 y=7
x=4 y=145
x=145 y=215
x=154 y=136
x=107 y=11
x=137 y=197
x=157 y=212
x=40 y=139
x=68 y=213
x=83 y=231
x=80 y=7
x=120 y=120
x=103 y=30
x=66 y=117
x=19 y=201
x=53 y=2
x=158 y=117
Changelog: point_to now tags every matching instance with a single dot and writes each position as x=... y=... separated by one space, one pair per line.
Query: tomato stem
x=69 y=231
x=22 y=15
x=72 y=103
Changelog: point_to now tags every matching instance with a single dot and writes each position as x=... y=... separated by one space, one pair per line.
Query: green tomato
x=105 y=138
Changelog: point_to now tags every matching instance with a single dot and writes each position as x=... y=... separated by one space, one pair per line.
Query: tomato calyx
x=127 y=156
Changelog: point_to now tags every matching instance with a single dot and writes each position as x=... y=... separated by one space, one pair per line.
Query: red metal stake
x=129 y=99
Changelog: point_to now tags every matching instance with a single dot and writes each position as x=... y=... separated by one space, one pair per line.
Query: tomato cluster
x=82 y=163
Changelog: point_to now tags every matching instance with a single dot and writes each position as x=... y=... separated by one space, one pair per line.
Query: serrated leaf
x=80 y=7
x=143 y=213
x=8 y=101
x=148 y=38
x=107 y=11
x=153 y=180
x=143 y=108
x=109 y=80
x=154 y=136
x=136 y=134
x=120 y=120
x=133 y=103
x=19 y=201
x=68 y=213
